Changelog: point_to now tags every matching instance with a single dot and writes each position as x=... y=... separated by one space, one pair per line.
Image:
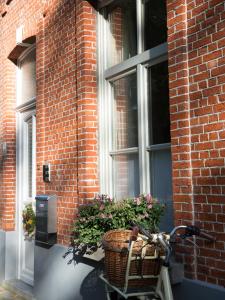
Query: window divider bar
x=124 y=151
x=159 y=147
x=152 y=56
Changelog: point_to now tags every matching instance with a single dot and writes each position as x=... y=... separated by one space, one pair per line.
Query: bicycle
x=163 y=290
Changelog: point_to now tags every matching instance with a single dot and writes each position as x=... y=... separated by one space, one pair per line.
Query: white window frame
x=139 y=64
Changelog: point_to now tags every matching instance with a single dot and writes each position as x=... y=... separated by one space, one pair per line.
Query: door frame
x=23 y=113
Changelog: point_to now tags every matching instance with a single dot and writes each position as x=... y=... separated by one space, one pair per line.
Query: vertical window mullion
x=150 y=108
x=143 y=135
x=140 y=26
x=110 y=113
x=104 y=109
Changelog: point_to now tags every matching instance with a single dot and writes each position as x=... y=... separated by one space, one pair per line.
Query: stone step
x=18 y=290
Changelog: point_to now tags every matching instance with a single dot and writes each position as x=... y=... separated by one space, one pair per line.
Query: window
x=134 y=100
x=125 y=137
x=27 y=77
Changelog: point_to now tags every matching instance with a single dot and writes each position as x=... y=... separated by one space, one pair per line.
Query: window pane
x=123 y=30
x=155 y=26
x=125 y=133
x=161 y=184
x=28 y=69
x=126 y=175
x=159 y=104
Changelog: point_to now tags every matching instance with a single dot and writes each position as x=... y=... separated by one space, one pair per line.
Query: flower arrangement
x=105 y=214
x=29 y=221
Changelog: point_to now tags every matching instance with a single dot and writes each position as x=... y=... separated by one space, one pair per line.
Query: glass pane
x=125 y=133
x=28 y=69
x=161 y=184
x=155 y=31
x=126 y=175
x=159 y=104
x=123 y=31
x=29 y=150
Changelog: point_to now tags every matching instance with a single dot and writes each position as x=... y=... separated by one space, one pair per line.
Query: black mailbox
x=46 y=220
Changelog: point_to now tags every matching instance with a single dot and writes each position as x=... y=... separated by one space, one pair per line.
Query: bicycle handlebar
x=188 y=232
x=192 y=230
x=163 y=239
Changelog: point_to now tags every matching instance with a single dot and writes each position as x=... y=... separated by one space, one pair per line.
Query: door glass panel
x=155 y=29
x=126 y=175
x=125 y=129
x=161 y=183
x=29 y=156
x=159 y=104
x=123 y=31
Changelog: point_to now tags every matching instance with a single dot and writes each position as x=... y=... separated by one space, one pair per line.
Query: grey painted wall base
x=8 y=255
x=56 y=280
x=11 y=255
x=2 y=255
x=198 y=290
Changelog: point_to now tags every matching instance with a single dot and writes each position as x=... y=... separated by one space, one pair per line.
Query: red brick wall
x=196 y=50
x=67 y=108
x=10 y=19
x=66 y=103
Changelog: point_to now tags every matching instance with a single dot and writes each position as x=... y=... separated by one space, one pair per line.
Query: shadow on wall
x=56 y=280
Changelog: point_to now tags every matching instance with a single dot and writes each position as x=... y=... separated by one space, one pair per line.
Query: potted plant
x=104 y=214
x=105 y=220
x=29 y=221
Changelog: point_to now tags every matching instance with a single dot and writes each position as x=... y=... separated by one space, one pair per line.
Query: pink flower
x=138 y=201
x=110 y=216
x=150 y=206
x=149 y=198
x=98 y=198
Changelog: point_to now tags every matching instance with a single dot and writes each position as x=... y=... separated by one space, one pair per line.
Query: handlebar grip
x=207 y=236
x=192 y=230
x=134 y=233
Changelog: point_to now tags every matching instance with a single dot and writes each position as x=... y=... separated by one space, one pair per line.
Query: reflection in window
x=159 y=117
x=123 y=29
x=125 y=133
x=155 y=31
x=126 y=175
x=161 y=183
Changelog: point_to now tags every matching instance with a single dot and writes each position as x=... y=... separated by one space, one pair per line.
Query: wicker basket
x=124 y=271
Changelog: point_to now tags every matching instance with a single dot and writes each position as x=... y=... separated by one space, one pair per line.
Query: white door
x=27 y=191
